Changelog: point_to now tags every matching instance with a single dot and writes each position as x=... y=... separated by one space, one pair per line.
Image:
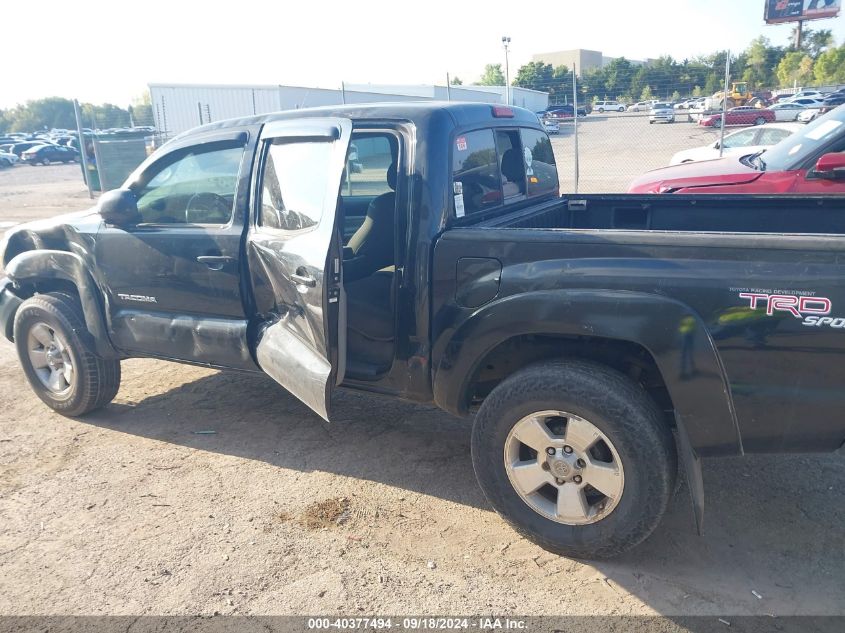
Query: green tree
x=830 y=66
x=757 y=72
x=456 y=81
x=697 y=92
x=535 y=75
x=795 y=67
x=141 y=110
x=492 y=76
x=646 y=94
x=676 y=96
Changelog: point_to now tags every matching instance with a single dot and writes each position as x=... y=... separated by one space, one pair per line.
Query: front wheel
x=59 y=364
x=576 y=457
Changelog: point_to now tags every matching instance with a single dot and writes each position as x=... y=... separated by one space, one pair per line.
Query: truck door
x=295 y=255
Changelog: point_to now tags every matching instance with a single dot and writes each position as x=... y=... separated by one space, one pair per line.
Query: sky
x=321 y=43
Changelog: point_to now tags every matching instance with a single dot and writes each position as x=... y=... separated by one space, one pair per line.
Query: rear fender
x=669 y=330
x=39 y=265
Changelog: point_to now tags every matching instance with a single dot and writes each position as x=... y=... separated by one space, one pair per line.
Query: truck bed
x=717 y=213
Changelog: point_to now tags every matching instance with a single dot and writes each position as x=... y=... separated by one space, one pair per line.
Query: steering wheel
x=210 y=204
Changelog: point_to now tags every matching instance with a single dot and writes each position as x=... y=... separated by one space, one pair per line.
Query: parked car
x=564 y=111
x=7 y=159
x=551 y=126
x=19 y=148
x=807 y=114
x=642 y=106
x=747 y=141
x=787 y=111
x=812 y=94
x=741 y=115
x=832 y=102
x=810 y=161
x=685 y=104
x=46 y=154
x=609 y=106
x=661 y=113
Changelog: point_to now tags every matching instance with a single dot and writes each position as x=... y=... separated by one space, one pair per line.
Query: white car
x=551 y=126
x=808 y=114
x=812 y=94
x=787 y=111
x=662 y=112
x=642 y=106
x=7 y=159
x=610 y=106
x=747 y=141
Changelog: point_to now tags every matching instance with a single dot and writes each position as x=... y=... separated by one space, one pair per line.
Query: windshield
x=795 y=150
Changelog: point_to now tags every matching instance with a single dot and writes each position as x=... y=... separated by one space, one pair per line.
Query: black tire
x=760 y=121
x=616 y=406
x=4 y=162
x=95 y=381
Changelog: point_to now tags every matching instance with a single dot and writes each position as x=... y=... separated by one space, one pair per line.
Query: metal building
x=180 y=107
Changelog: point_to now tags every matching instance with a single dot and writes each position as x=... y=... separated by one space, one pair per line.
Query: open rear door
x=295 y=256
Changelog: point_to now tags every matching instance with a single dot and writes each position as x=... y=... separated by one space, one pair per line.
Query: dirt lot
x=140 y=509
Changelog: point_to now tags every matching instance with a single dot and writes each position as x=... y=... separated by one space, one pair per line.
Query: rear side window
x=494 y=168
x=539 y=158
x=475 y=170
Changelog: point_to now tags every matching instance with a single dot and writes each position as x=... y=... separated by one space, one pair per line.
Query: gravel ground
x=139 y=509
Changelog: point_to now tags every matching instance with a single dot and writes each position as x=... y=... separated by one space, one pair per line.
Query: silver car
x=663 y=112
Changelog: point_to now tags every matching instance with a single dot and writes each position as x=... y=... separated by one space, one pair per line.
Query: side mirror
x=831 y=166
x=118 y=206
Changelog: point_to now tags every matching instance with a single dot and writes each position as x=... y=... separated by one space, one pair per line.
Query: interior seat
x=513 y=171
x=371 y=247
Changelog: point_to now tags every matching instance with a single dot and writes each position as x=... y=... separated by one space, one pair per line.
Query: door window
x=740 y=139
x=293 y=188
x=367 y=163
x=198 y=187
x=475 y=169
x=772 y=136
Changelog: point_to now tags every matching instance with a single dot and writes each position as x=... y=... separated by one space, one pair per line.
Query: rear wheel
x=45 y=161
x=60 y=366
x=576 y=457
x=760 y=121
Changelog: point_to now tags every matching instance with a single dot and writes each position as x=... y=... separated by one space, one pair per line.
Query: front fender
x=668 y=329
x=32 y=266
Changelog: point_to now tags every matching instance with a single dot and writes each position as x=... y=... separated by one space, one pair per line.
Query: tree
x=796 y=67
x=535 y=75
x=676 y=96
x=456 y=81
x=697 y=92
x=646 y=94
x=492 y=76
x=758 y=67
x=830 y=66
x=141 y=110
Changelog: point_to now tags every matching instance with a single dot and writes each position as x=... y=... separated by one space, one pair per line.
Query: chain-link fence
x=615 y=139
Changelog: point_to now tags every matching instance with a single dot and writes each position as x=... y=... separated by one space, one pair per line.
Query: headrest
x=391 y=176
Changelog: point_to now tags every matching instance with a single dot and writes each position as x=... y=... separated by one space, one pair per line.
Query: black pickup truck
x=423 y=251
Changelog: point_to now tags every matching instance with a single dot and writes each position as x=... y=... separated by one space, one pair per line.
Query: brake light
x=502 y=112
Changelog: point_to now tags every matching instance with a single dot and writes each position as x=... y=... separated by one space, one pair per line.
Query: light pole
x=505 y=41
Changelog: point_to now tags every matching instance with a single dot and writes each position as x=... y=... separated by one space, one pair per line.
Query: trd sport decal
x=813 y=311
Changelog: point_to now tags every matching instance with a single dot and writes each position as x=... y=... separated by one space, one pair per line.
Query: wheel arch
x=40 y=271
x=652 y=334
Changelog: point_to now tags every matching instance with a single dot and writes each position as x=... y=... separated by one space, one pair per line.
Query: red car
x=741 y=115
x=810 y=161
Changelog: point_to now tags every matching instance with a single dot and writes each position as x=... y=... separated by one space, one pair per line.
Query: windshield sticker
x=529 y=159
x=459 y=205
x=461 y=143
x=823 y=130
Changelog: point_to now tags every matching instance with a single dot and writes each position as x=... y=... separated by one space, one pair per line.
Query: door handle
x=303 y=280
x=215 y=262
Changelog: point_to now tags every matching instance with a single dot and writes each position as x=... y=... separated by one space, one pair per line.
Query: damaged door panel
x=294 y=253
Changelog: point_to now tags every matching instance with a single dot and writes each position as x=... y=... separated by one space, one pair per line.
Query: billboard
x=794 y=10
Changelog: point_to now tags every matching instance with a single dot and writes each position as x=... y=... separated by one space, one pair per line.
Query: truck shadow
x=772 y=524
